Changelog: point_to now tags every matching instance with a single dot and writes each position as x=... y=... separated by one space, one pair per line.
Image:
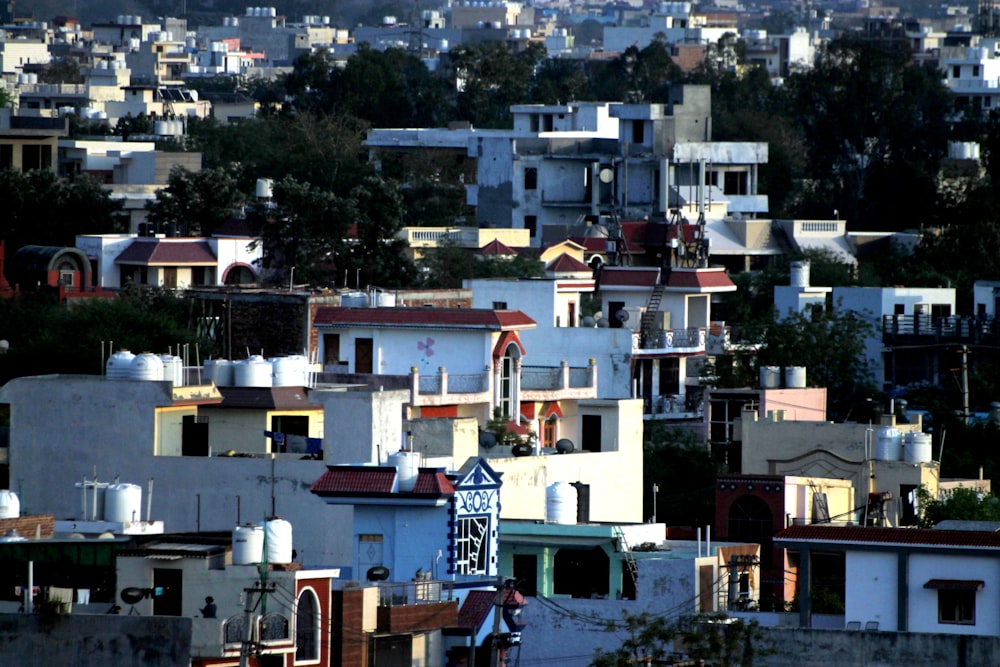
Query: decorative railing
x=952 y=327
x=274 y=627
x=426 y=591
x=665 y=339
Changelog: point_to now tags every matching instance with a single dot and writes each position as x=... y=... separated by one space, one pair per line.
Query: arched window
x=507 y=373
x=307 y=627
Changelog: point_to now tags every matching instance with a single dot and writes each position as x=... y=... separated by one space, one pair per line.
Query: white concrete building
x=973 y=76
x=905 y=580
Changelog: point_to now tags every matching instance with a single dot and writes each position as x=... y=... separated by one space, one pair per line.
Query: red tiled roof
x=494 y=247
x=437 y=318
x=567 y=264
x=162 y=252
x=476 y=609
x=700 y=279
x=613 y=276
x=899 y=536
x=433 y=481
x=355 y=479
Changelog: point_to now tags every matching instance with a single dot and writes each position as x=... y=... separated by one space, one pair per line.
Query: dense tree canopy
x=40 y=208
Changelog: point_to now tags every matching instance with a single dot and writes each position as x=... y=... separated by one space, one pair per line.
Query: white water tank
x=917 y=448
x=770 y=377
x=173 y=369
x=219 y=371
x=278 y=540
x=290 y=371
x=888 y=444
x=123 y=503
x=265 y=188
x=119 y=366
x=10 y=505
x=147 y=366
x=795 y=377
x=380 y=299
x=252 y=372
x=407 y=466
x=800 y=274
x=248 y=544
x=561 y=503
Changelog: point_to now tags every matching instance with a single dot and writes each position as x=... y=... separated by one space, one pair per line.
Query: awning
x=955 y=584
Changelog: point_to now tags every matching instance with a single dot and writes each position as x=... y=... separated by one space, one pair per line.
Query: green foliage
x=830 y=343
x=446 y=266
x=39 y=208
x=493 y=79
x=648 y=637
x=198 y=203
x=714 y=639
x=379 y=253
x=61 y=70
x=685 y=473
x=47 y=337
x=638 y=75
x=961 y=504
x=499 y=426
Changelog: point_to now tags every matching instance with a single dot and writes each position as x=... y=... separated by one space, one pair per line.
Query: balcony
x=899 y=329
x=537 y=383
x=669 y=341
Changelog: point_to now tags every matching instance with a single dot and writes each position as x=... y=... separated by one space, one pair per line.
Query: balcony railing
x=670 y=339
x=947 y=328
x=428 y=591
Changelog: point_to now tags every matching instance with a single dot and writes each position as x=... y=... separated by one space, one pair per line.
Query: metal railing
x=664 y=339
x=427 y=591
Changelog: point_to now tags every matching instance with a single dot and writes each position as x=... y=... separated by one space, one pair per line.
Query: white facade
x=973 y=76
x=15 y=54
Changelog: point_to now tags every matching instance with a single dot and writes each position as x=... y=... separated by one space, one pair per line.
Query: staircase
x=647 y=324
x=626 y=552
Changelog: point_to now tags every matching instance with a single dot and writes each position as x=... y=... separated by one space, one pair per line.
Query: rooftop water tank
x=147 y=366
x=119 y=365
x=265 y=188
x=560 y=503
x=888 y=444
x=354 y=300
x=278 y=540
x=800 y=274
x=407 y=466
x=219 y=371
x=10 y=505
x=917 y=448
x=173 y=369
x=252 y=372
x=123 y=503
x=795 y=377
x=290 y=371
x=248 y=544
x=770 y=377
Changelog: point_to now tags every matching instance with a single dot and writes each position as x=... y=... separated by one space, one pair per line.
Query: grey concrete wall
x=846 y=648
x=99 y=640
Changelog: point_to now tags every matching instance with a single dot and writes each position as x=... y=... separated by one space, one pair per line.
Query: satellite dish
x=522 y=449
x=487 y=439
x=606 y=175
x=132 y=595
x=565 y=446
x=377 y=573
x=622 y=315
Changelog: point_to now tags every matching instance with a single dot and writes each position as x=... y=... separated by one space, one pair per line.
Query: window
x=638 y=131
x=975 y=70
x=307 y=626
x=36 y=156
x=956 y=71
x=531 y=224
x=472 y=545
x=957 y=607
x=499 y=305
x=590 y=433
x=531 y=178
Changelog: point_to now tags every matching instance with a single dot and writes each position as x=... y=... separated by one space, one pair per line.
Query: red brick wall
x=348 y=642
x=43 y=525
x=415 y=617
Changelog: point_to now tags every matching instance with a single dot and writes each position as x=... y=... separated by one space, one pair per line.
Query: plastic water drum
x=560 y=503
x=248 y=544
x=278 y=540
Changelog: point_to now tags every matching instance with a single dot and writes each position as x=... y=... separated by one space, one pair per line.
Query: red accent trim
x=528 y=410
x=506 y=338
x=549 y=409
x=431 y=411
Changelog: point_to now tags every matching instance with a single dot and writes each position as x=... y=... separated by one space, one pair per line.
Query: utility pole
x=249 y=606
x=497 y=613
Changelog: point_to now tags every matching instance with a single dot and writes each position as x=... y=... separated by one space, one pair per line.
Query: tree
x=446 y=266
x=67 y=209
x=379 y=252
x=959 y=504
x=684 y=471
x=876 y=125
x=197 y=203
x=648 y=637
x=830 y=343
x=305 y=232
x=492 y=79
